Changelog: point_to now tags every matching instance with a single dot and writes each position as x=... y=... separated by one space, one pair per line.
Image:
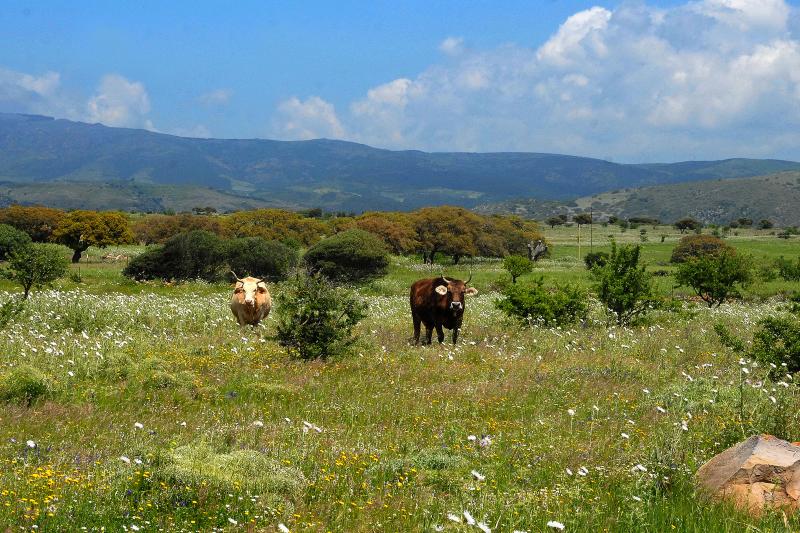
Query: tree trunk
x=76 y=256
x=456 y=259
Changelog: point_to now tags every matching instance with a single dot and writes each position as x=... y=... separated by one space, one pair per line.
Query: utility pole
x=579 y=242
x=591 y=229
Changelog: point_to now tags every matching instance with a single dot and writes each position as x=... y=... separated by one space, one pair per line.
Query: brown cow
x=439 y=302
x=251 y=301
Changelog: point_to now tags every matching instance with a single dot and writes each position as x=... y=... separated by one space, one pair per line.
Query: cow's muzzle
x=455 y=306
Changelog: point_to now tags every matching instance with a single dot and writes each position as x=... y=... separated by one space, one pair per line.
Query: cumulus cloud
x=308 y=119
x=452 y=46
x=119 y=102
x=709 y=78
x=216 y=97
x=31 y=93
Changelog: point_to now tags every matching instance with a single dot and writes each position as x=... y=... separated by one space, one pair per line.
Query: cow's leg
x=455 y=334
x=428 y=333
x=439 y=333
x=417 y=323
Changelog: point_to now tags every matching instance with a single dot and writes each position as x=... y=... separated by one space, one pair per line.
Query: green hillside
x=773 y=196
x=320 y=173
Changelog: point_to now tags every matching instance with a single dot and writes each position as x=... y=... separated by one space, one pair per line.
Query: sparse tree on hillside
x=81 y=229
x=554 y=221
x=687 y=224
x=582 y=219
x=765 y=224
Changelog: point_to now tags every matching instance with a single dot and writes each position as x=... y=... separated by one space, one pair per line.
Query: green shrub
x=24 y=385
x=623 y=285
x=776 y=342
x=316 y=319
x=240 y=470
x=716 y=277
x=193 y=255
x=556 y=306
x=10 y=239
x=517 y=265
x=788 y=270
x=697 y=245
x=352 y=255
x=260 y=258
x=9 y=310
x=595 y=258
x=36 y=265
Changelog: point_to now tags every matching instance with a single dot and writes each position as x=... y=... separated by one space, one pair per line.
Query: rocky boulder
x=763 y=471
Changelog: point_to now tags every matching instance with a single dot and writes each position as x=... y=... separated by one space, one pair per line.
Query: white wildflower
x=468 y=518
x=124 y=459
x=282 y=528
x=477 y=475
x=31 y=444
x=555 y=525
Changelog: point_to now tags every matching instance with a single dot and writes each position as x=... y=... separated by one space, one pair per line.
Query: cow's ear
x=441 y=289
x=472 y=291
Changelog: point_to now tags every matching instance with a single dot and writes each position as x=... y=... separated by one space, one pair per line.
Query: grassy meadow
x=161 y=414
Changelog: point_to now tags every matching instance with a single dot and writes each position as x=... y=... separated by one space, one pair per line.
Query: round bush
x=23 y=385
x=595 y=258
x=353 y=255
x=693 y=246
x=193 y=255
x=261 y=258
x=11 y=238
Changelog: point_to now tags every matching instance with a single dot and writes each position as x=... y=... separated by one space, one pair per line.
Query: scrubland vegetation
x=143 y=406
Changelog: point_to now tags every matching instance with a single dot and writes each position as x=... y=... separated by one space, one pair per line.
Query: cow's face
x=248 y=288
x=455 y=293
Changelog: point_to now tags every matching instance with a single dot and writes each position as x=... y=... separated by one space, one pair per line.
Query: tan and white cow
x=251 y=301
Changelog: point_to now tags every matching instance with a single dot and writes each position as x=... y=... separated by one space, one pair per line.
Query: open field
x=164 y=415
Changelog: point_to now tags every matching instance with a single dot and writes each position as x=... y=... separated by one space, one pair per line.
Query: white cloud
x=309 y=119
x=119 y=102
x=215 y=97
x=581 y=33
x=452 y=46
x=709 y=78
x=20 y=91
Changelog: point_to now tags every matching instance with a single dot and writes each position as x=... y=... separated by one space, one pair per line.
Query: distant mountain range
x=775 y=197
x=73 y=164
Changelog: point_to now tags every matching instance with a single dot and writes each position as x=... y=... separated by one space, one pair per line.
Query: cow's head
x=247 y=288
x=455 y=292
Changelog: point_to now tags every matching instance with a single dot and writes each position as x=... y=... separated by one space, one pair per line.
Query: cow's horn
x=444 y=278
x=237 y=277
x=469 y=278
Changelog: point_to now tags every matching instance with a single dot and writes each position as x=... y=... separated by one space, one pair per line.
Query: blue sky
x=628 y=81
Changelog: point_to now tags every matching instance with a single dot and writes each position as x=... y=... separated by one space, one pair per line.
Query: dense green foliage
x=517 y=265
x=687 y=224
x=193 y=255
x=693 y=246
x=36 y=265
x=353 y=255
x=23 y=385
x=595 y=258
x=271 y=260
x=777 y=342
x=537 y=304
x=316 y=319
x=716 y=277
x=623 y=284
x=11 y=238
x=787 y=269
